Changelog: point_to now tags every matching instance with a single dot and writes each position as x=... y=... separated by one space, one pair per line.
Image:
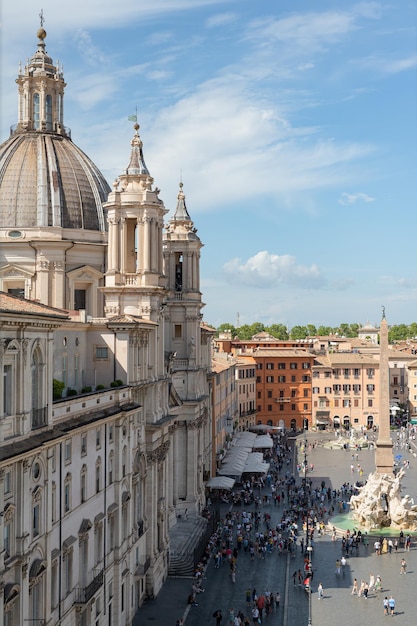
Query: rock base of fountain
x=379 y=504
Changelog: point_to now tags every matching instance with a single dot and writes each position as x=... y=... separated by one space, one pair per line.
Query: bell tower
x=134 y=279
x=182 y=266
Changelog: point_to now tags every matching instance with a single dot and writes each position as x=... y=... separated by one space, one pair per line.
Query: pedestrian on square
x=365 y=590
x=390 y=546
x=218 y=615
x=361 y=588
x=320 y=591
x=180 y=622
x=338 y=566
x=343 y=564
x=355 y=587
x=403 y=569
x=378 y=583
x=248 y=594
x=277 y=599
x=371 y=581
x=255 y=615
x=391 y=604
x=386 y=605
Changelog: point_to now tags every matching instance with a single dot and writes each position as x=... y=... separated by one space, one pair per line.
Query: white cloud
x=268 y=270
x=220 y=19
x=352 y=198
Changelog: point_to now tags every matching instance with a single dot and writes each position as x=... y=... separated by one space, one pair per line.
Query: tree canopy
x=399 y=332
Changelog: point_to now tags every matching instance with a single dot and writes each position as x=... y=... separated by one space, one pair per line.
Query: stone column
x=383 y=457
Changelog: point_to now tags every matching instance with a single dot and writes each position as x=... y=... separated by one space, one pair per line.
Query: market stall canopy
x=263 y=441
x=220 y=482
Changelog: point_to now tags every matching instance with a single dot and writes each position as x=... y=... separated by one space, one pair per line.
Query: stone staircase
x=185 y=538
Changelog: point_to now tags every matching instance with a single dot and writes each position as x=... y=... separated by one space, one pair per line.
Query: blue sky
x=293 y=123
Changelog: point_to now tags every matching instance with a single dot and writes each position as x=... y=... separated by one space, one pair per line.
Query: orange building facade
x=283 y=387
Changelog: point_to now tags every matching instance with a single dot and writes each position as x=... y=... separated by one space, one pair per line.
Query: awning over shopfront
x=220 y=482
x=263 y=441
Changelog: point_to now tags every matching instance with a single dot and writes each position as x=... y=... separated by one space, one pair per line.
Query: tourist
x=403 y=569
x=320 y=591
x=371 y=581
x=377 y=547
x=218 y=615
x=255 y=615
x=338 y=565
x=365 y=590
x=361 y=588
x=355 y=587
x=277 y=599
x=378 y=583
x=391 y=604
x=386 y=605
x=390 y=546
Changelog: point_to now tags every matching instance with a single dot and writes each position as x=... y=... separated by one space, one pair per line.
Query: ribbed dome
x=46 y=180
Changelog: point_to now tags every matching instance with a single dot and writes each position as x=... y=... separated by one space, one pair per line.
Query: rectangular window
x=68 y=451
x=269 y=393
x=305 y=407
x=293 y=379
x=306 y=365
x=111 y=433
x=281 y=379
x=177 y=331
x=327 y=374
x=281 y=407
x=7 y=390
x=370 y=372
x=83 y=444
x=269 y=379
x=356 y=372
x=316 y=389
x=336 y=403
x=327 y=390
x=7 y=482
x=269 y=407
x=269 y=366
x=281 y=366
x=346 y=371
x=293 y=407
x=259 y=395
x=293 y=366
x=68 y=572
x=293 y=393
x=83 y=487
x=35 y=520
x=67 y=497
x=79 y=299
x=370 y=402
x=98 y=438
x=102 y=352
x=259 y=366
x=305 y=393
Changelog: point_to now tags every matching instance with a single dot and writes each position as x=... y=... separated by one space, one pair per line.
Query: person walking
x=343 y=564
x=277 y=599
x=320 y=591
x=386 y=605
x=365 y=590
x=391 y=605
x=354 y=587
x=255 y=615
x=403 y=569
x=218 y=615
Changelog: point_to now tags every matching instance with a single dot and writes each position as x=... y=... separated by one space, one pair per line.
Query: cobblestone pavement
x=274 y=572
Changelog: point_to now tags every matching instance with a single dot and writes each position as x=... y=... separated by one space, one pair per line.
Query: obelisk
x=384 y=459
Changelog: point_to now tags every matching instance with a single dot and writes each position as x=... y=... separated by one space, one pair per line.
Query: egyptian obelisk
x=384 y=459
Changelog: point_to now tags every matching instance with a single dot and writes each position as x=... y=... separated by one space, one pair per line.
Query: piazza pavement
x=274 y=573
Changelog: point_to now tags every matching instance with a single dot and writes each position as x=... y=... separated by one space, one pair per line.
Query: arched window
x=36 y=112
x=48 y=111
x=38 y=403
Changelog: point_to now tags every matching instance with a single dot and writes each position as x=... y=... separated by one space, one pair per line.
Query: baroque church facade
x=100 y=298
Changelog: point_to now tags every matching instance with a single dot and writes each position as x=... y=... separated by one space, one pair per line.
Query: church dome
x=45 y=179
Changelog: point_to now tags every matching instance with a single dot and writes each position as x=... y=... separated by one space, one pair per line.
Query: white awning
x=263 y=441
x=220 y=482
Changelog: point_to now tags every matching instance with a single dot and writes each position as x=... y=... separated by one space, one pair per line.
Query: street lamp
x=309 y=550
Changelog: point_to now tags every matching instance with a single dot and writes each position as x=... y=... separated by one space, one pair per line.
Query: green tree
x=325 y=331
x=312 y=330
x=398 y=333
x=298 y=332
x=227 y=327
x=278 y=330
x=412 y=330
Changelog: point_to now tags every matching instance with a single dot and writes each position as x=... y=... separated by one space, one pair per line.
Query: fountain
x=379 y=503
